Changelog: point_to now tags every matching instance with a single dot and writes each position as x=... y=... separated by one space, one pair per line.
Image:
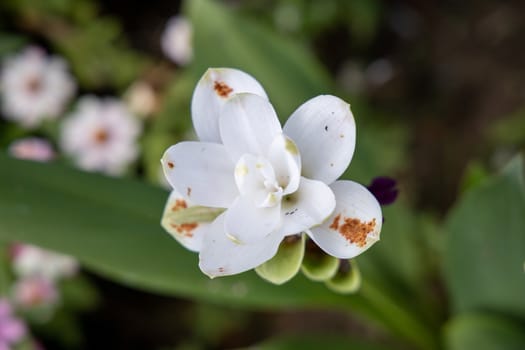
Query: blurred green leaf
x=10 y=43
x=112 y=226
x=288 y=71
x=484 y=332
x=485 y=245
x=318 y=341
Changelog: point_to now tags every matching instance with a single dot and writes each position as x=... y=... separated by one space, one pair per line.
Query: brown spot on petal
x=353 y=230
x=221 y=269
x=222 y=89
x=335 y=223
x=179 y=204
x=185 y=229
x=188 y=191
x=170 y=165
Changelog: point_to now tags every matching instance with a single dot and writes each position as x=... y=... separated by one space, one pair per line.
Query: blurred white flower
x=177 y=40
x=141 y=99
x=34 y=87
x=101 y=135
x=32 y=261
x=32 y=148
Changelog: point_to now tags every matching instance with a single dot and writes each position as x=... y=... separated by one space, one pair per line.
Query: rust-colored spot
x=34 y=85
x=101 y=136
x=185 y=229
x=335 y=223
x=188 y=191
x=221 y=269
x=179 y=204
x=353 y=230
x=171 y=165
x=222 y=89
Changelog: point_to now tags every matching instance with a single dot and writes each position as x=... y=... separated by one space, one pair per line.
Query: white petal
x=248 y=124
x=324 y=130
x=190 y=234
x=202 y=172
x=309 y=206
x=247 y=223
x=286 y=161
x=220 y=256
x=213 y=90
x=355 y=224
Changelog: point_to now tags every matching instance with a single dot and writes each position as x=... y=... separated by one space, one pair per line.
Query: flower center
x=34 y=85
x=255 y=178
x=101 y=136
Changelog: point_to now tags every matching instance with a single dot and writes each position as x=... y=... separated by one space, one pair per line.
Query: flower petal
x=188 y=234
x=248 y=124
x=355 y=224
x=324 y=130
x=213 y=90
x=309 y=206
x=220 y=256
x=245 y=222
x=202 y=172
x=286 y=161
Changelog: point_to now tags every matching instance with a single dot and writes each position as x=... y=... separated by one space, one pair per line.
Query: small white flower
x=101 y=135
x=32 y=148
x=34 y=87
x=32 y=261
x=177 y=40
x=270 y=182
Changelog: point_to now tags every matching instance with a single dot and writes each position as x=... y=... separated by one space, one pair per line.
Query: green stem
x=400 y=320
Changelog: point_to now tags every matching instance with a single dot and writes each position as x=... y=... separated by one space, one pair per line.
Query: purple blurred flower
x=12 y=330
x=384 y=189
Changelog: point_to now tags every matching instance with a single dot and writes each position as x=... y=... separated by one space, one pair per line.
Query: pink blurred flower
x=12 y=330
x=35 y=291
x=32 y=148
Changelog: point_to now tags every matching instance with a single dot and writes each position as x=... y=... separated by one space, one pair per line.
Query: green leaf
x=113 y=227
x=317 y=341
x=288 y=71
x=286 y=263
x=485 y=245
x=347 y=280
x=484 y=332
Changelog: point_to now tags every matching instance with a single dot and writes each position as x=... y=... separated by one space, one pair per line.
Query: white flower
x=34 y=87
x=32 y=148
x=32 y=261
x=272 y=182
x=101 y=135
x=177 y=40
